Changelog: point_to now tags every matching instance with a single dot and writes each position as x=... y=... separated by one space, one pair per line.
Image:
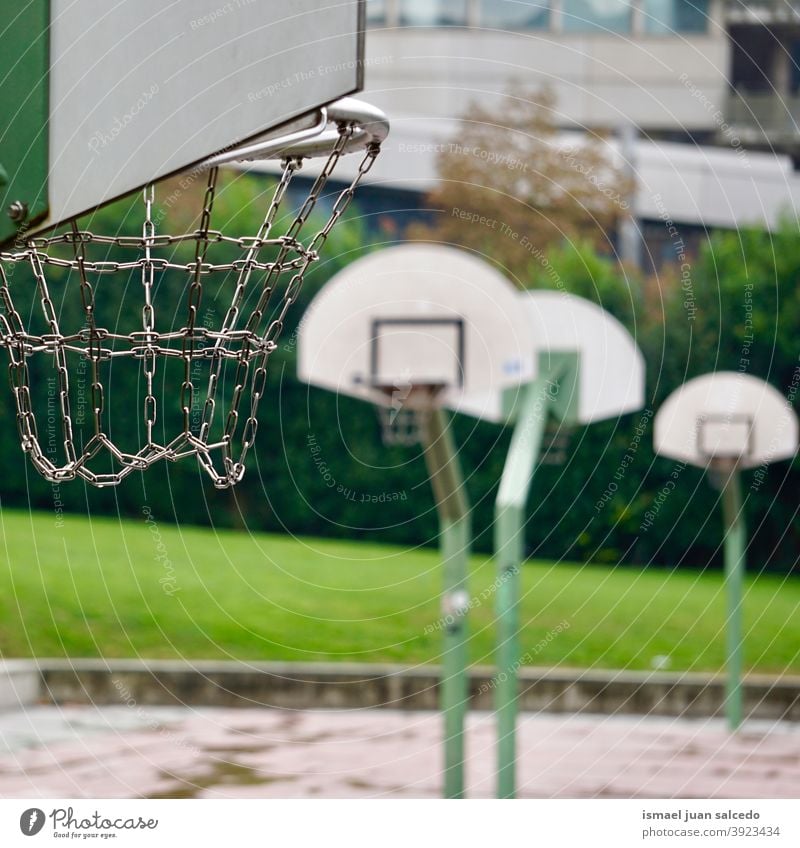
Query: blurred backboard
x=415 y=316
x=98 y=99
x=727 y=418
x=610 y=367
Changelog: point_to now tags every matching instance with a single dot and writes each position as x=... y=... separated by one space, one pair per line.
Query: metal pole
x=735 y=541
x=455 y=538
x=630 y=236
x=509 y=533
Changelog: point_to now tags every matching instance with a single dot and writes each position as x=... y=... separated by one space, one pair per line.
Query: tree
x=509 y=187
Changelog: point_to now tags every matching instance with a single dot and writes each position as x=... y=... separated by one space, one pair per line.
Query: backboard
x=415 y=316
x=98 y=99
x=726 y=419
x=610 y=375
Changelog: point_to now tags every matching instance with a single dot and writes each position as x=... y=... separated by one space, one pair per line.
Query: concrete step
x=354 y=685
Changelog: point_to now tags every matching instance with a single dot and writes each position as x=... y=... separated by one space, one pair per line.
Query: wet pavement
x=160 y=752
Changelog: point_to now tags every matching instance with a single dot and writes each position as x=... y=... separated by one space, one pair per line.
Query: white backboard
x=611 y=369
x=139 y=90
x=726 y=416
x=415 y=315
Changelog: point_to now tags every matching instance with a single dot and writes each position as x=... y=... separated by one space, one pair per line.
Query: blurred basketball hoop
x=589 y=369
x=413 y=329
x=723 y=423
x=197 y=97
x=726 y=421
x=416 y=326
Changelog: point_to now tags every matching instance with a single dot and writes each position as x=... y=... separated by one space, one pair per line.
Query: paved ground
x=119 y=752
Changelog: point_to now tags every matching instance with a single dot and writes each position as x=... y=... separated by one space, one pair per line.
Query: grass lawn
x=102 y=587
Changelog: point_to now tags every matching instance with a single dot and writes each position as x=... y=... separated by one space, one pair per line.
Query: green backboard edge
x=24 y=113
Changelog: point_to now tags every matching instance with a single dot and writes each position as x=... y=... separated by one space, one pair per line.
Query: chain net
x=210 y=374
x=400 y=426
x=403 y=417
x=556 y=442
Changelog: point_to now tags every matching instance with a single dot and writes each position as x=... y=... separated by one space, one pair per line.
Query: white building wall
x=425 y=79
x=599 y=80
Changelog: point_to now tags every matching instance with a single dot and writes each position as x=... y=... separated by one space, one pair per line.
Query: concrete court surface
x=165 y=752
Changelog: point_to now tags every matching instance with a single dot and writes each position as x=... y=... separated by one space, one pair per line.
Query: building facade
x=707 y=89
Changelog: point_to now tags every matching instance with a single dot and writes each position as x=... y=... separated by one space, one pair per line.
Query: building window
x=596 y=16
x=376 y=12
x=433 y=13
x=514 y=14
x=662 y=17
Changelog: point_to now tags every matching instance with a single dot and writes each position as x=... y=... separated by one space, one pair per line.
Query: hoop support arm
x=371 y=128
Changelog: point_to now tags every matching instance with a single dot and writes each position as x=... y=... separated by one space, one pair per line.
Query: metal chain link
x=94 y=350
x=195 y=296
x=246 y=337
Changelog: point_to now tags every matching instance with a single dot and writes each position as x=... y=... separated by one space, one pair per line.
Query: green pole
x=509 y=532
x=735 y=534
x=24 y=118
x=455 y=537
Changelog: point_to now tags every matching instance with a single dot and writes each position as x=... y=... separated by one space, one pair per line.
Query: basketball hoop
x=273 y=258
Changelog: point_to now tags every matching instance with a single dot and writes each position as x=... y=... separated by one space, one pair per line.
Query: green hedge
x=320 y=467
